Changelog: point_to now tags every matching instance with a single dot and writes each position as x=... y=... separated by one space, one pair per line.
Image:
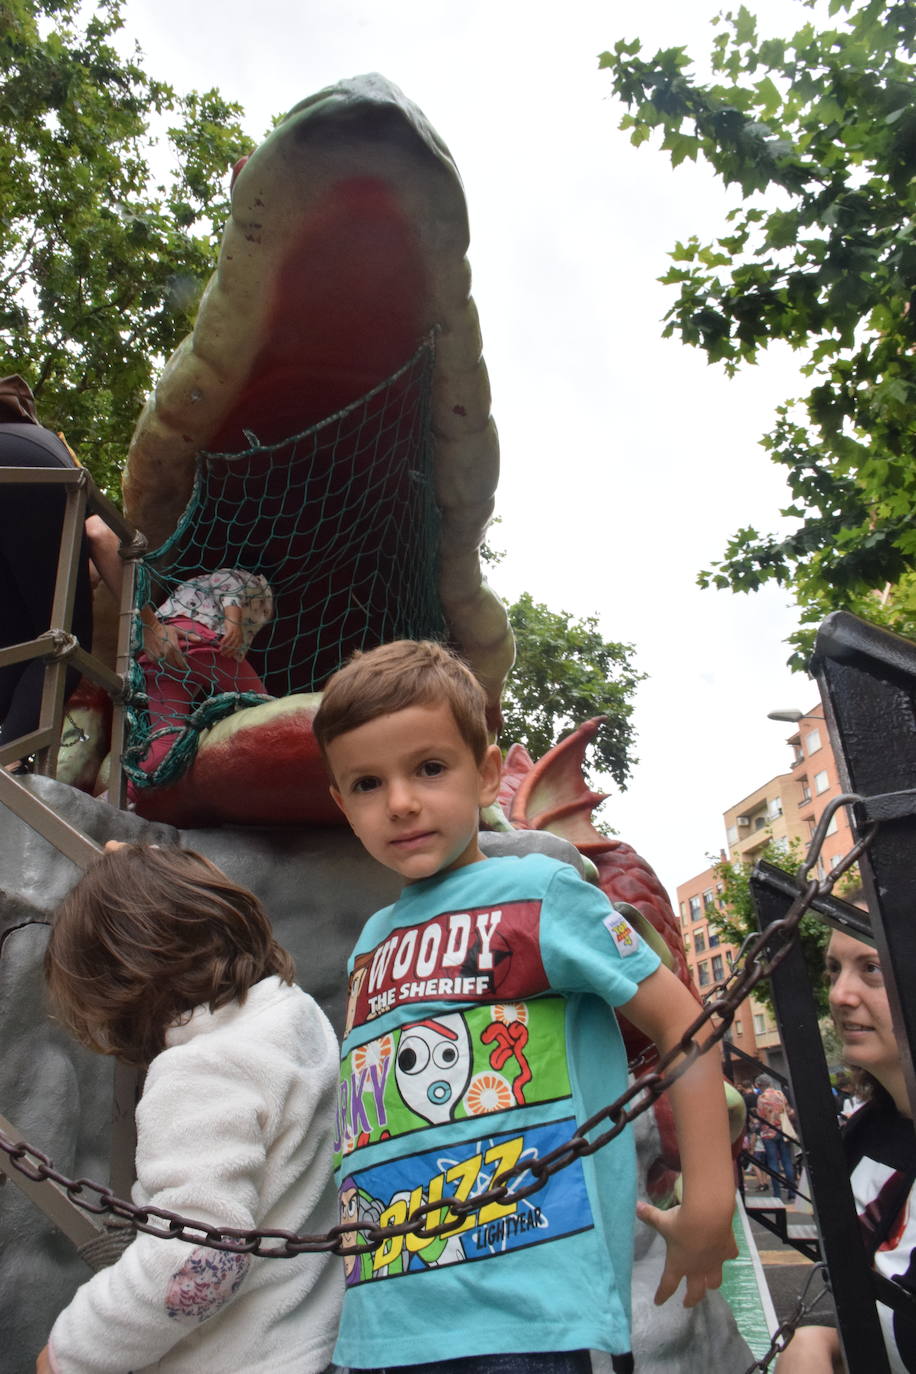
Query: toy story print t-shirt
x=479 y=1031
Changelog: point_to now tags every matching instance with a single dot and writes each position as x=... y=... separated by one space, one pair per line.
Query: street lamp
x=793 y=716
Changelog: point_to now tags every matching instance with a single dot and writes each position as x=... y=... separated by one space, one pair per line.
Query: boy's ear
x=490 y=773
x=337 y=798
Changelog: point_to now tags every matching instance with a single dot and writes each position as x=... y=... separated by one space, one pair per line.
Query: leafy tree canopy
x=102 y=258
x=817 y=133
x=736 y=918
x=565 y=673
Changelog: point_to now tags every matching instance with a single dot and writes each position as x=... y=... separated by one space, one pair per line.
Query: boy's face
x=411 y=789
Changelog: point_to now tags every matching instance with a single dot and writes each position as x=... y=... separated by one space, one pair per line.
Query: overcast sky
x=627 y=462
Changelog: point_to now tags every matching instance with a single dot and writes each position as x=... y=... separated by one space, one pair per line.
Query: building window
x=781 y=842
x=703 y=975
x=821 y=781
x=718 y=969
x=683 y=911
x=774 y=807
x=831 y=829
x=708 y=899
x=813 y=741
x=760 y=1023
x=695 y=909
x=806 y=791
x=739 y=1027
x=759 y=822
x=699 y=942
x=732 y=834
x=713 y=939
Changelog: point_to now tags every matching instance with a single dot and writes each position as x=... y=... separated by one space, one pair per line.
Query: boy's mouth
x=414 y=838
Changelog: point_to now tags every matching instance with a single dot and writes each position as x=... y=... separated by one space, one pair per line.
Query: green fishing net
x=342 y=522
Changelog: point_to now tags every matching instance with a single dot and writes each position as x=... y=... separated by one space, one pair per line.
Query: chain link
x=761 y=955
x=787 y=1329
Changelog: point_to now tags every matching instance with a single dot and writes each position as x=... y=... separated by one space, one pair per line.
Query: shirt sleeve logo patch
x=622 y=933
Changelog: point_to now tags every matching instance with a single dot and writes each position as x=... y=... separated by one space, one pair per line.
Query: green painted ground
x=745 y=1290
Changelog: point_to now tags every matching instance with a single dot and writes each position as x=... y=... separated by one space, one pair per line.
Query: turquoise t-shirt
x=479 y=1030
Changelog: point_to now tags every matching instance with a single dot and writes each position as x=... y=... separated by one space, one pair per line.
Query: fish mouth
x=339 y=323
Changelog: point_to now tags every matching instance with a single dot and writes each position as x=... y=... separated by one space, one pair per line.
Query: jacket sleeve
x=200 y=1151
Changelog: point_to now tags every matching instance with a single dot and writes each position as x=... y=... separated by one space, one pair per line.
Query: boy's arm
x=698 y=1233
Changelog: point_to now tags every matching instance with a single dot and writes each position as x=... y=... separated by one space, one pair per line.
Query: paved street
x=786 y=1271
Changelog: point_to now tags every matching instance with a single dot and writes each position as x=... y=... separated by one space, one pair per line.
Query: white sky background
x=627 y=462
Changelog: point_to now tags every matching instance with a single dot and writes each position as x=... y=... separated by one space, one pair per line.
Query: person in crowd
x=514 y=965
x=752 y=1144
x=158 y=958
x=773 y=1111
x=880 y=1146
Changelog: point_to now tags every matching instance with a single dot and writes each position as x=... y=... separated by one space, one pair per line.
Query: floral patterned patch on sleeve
x=206 y=1281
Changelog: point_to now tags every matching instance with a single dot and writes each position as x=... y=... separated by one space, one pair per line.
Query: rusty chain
x=759 y=956
x=787 y=1329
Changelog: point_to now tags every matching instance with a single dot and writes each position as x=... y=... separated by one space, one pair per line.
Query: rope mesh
x=341 y=520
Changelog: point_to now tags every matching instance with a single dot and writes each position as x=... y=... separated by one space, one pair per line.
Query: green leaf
x=829 y=268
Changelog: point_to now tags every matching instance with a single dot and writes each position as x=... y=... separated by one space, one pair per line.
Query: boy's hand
x=43 y=1362
x=696 y=1248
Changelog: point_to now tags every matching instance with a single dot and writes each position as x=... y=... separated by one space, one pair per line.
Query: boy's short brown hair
x=147 y=935
x=407 y=672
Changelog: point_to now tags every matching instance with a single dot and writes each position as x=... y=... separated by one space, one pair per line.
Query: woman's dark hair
x=147 y=935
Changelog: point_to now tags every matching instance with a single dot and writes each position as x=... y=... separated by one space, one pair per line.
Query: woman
x=880 y=1150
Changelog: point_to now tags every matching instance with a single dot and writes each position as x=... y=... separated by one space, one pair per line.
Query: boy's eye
x=431 y=768
x=365 y=784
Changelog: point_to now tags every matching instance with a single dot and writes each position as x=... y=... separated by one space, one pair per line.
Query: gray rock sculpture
x=319 y=887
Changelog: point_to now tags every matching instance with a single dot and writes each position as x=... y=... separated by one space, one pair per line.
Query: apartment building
x=708 y=957
x=787 y=807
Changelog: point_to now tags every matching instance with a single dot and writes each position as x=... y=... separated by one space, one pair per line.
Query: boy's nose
x=401 y=799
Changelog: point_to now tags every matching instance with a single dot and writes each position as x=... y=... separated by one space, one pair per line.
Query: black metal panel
x=773 y=893
x=867 y=679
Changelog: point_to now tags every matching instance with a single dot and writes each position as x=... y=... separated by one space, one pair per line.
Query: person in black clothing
x=880 y=1146
x=31 y=519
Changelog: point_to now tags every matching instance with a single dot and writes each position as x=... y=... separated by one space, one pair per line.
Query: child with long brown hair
x=158 y=958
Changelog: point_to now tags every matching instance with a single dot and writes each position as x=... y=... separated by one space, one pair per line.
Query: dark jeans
x=779 y=1159
x=556 y=1362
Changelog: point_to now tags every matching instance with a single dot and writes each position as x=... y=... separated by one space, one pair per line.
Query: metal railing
x=59 y=648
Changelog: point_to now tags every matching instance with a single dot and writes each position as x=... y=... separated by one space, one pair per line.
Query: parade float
x=326 y=425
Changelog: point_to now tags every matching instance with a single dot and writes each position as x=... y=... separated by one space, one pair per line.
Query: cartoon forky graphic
x=511 y=1038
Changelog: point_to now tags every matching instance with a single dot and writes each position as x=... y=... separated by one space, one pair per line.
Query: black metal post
x=867 y=679
x=834 y=1207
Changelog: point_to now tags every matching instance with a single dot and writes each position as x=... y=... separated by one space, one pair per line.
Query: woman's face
x=859 y=1005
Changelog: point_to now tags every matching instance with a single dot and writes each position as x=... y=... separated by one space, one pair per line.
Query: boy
x=479 y=1030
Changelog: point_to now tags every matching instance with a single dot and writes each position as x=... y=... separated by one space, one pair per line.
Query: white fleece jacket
x=234 y=1128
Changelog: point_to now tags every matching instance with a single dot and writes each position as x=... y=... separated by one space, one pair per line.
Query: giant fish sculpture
x=344 y=256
